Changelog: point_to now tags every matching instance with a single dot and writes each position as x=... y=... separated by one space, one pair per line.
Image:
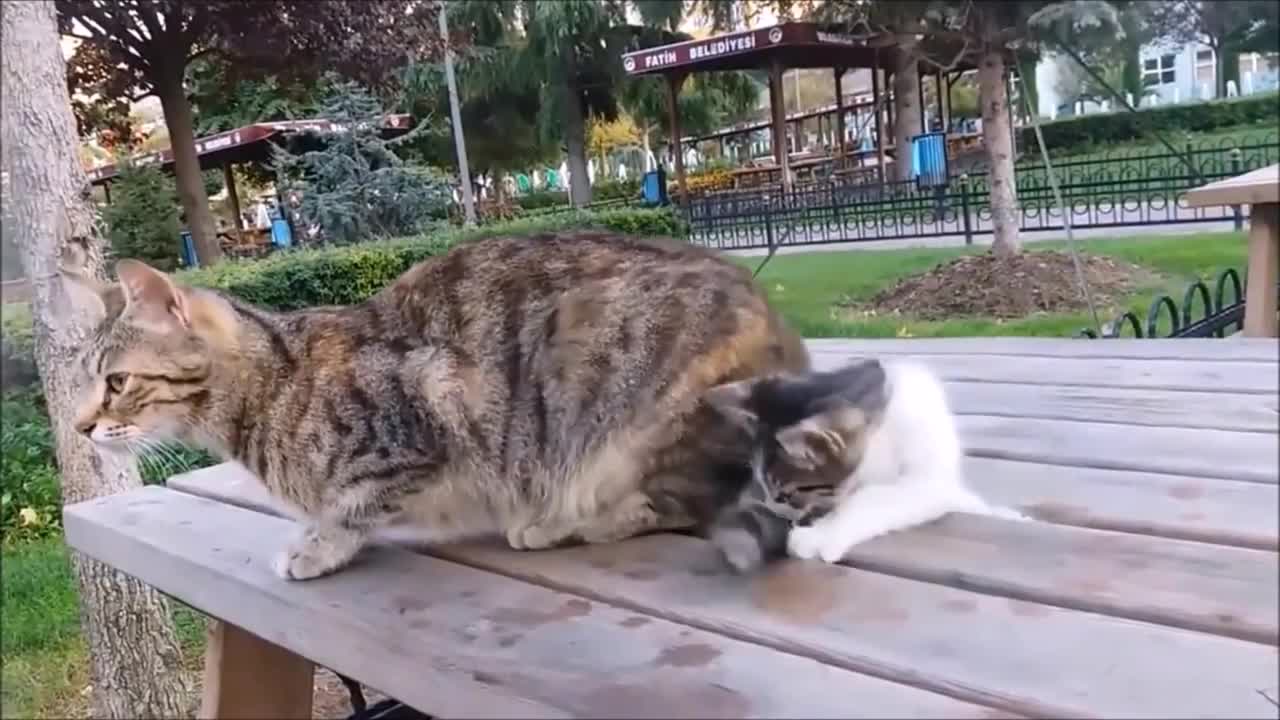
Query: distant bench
x=1149 y=589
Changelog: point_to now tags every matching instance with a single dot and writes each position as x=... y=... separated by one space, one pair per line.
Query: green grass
x=806 y=287
x=45 y=668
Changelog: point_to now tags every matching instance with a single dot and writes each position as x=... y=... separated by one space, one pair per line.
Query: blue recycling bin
x=653 y=188
x=188 y=245
x=929 y=160
x=281 y=237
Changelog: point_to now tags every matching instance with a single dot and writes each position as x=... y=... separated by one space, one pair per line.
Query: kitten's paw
x=832 y=552
x=804 y=542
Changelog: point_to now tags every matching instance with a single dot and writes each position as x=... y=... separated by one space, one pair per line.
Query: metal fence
x=1116 y=189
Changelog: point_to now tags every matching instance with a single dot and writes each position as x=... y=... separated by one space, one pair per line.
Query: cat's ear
x=88 y=295
x=731 y=402
x=824 y=437
x=151 y=297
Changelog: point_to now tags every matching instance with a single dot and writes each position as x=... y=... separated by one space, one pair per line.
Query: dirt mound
x=1007 y=287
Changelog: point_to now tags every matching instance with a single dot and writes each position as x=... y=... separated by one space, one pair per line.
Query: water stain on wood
x=507 y=641
x=959 y=605
x=410 y=604
x=675 y=699
x=795 y=591
x=641 y=574
x=635 y=621
x=1186 y=491
x=691 y=655
x=525 y=617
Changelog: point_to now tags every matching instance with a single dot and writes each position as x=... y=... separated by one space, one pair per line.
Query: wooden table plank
x=1186 y=349
x=1250 y=457
x=1246 y=412
x=1251 y=188
x=1026 y=657
x=1229 y=513
x=459 y=642
x=1208 y=510
x=1197 y=376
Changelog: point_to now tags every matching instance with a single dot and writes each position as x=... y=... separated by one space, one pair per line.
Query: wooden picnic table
x=1147 y=586
x=1260 y=190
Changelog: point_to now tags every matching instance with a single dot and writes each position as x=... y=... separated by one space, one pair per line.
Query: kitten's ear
x=822 y=438
x=730 y=401
x=151 y=297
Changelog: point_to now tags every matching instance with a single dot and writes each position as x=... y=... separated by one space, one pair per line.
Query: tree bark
x=997 y=137
x=135 y=660
x=186 y=163
x=575 y=131
x=906 y=112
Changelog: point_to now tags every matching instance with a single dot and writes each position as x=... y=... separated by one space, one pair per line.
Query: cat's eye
x=116 y=381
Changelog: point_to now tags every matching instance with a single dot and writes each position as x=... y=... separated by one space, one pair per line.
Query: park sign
x=743 y=49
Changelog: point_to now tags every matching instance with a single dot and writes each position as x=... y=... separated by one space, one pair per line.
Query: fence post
x=768 y=221
x=964 y=208
x=1237 y=215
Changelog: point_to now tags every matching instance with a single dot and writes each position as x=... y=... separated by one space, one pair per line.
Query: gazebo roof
x=793 y=44
x=245 y=144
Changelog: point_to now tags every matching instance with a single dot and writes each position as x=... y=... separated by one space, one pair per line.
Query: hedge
x=349 y=274
x=1103 y=129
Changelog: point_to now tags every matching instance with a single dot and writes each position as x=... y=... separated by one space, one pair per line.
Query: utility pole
x=459 y=142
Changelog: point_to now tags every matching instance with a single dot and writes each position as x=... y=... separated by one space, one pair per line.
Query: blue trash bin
x=653 y=188
x=929 y=160
x=280 y=235
x=188 y=245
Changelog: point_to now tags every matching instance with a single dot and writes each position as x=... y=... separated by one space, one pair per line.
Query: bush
x=616 y=190
x=142 y=219
x=543 y=199
x=30 y=504
x=1089 y=130
x=346 y=275
x=17 y=346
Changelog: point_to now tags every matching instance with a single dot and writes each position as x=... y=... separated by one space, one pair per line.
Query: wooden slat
x=1208 y=510
x=1190 y=349
x=459 y=642
x=1208 y=410
x=1251 y=457
x=1029 y=658
x=1226 y=513
x=1227 y=591
x=248 y=678
x=1200 y=376
x=1256 y=186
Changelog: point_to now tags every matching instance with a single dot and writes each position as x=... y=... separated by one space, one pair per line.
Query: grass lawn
x=806 y=287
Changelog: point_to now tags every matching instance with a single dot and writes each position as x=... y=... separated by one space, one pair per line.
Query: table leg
x=1264 y=271
x=248 y=678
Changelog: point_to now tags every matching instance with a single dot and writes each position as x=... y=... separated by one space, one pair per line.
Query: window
x=1206 y=74
x=1158 y=71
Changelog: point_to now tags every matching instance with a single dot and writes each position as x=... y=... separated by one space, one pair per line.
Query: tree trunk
x=648 y=151
x=186 y=164
x=1230 y=71
x=999 y=143
x=135 y=661
x=575 y=132
x=906 y=111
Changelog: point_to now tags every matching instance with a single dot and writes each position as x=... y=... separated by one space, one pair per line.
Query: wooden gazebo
x=777 y=49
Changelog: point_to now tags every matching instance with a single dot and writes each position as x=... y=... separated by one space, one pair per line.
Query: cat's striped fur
x=547 y=389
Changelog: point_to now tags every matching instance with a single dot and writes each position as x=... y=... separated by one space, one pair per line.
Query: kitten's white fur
x=910 y=472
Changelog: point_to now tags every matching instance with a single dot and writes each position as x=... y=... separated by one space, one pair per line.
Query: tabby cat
x=841 y=457
x=547 y=389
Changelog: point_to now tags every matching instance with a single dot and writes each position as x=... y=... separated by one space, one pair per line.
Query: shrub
x=1102 y=129
x=616 y=190
x=345 y=275
x=543 y=199
x=142 y=219
x=30 y=504
x=17 y=346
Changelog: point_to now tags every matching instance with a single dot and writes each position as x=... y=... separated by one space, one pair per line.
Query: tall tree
x=137 y=48
x=134 y=657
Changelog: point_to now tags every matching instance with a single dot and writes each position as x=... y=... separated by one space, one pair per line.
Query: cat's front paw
x=804 y=542
x=313 y=555
x=534 y=537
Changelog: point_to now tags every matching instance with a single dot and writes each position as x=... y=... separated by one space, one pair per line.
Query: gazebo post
x=674 y=81
x=839 y=72
x=779 y=113
x=944 y=98
x=875 y=108
x=233 y=197
x=106 y=191
x=924 y=126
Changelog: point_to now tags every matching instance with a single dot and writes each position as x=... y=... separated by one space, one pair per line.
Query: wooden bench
x=1148 y=587
x=1260 y=190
